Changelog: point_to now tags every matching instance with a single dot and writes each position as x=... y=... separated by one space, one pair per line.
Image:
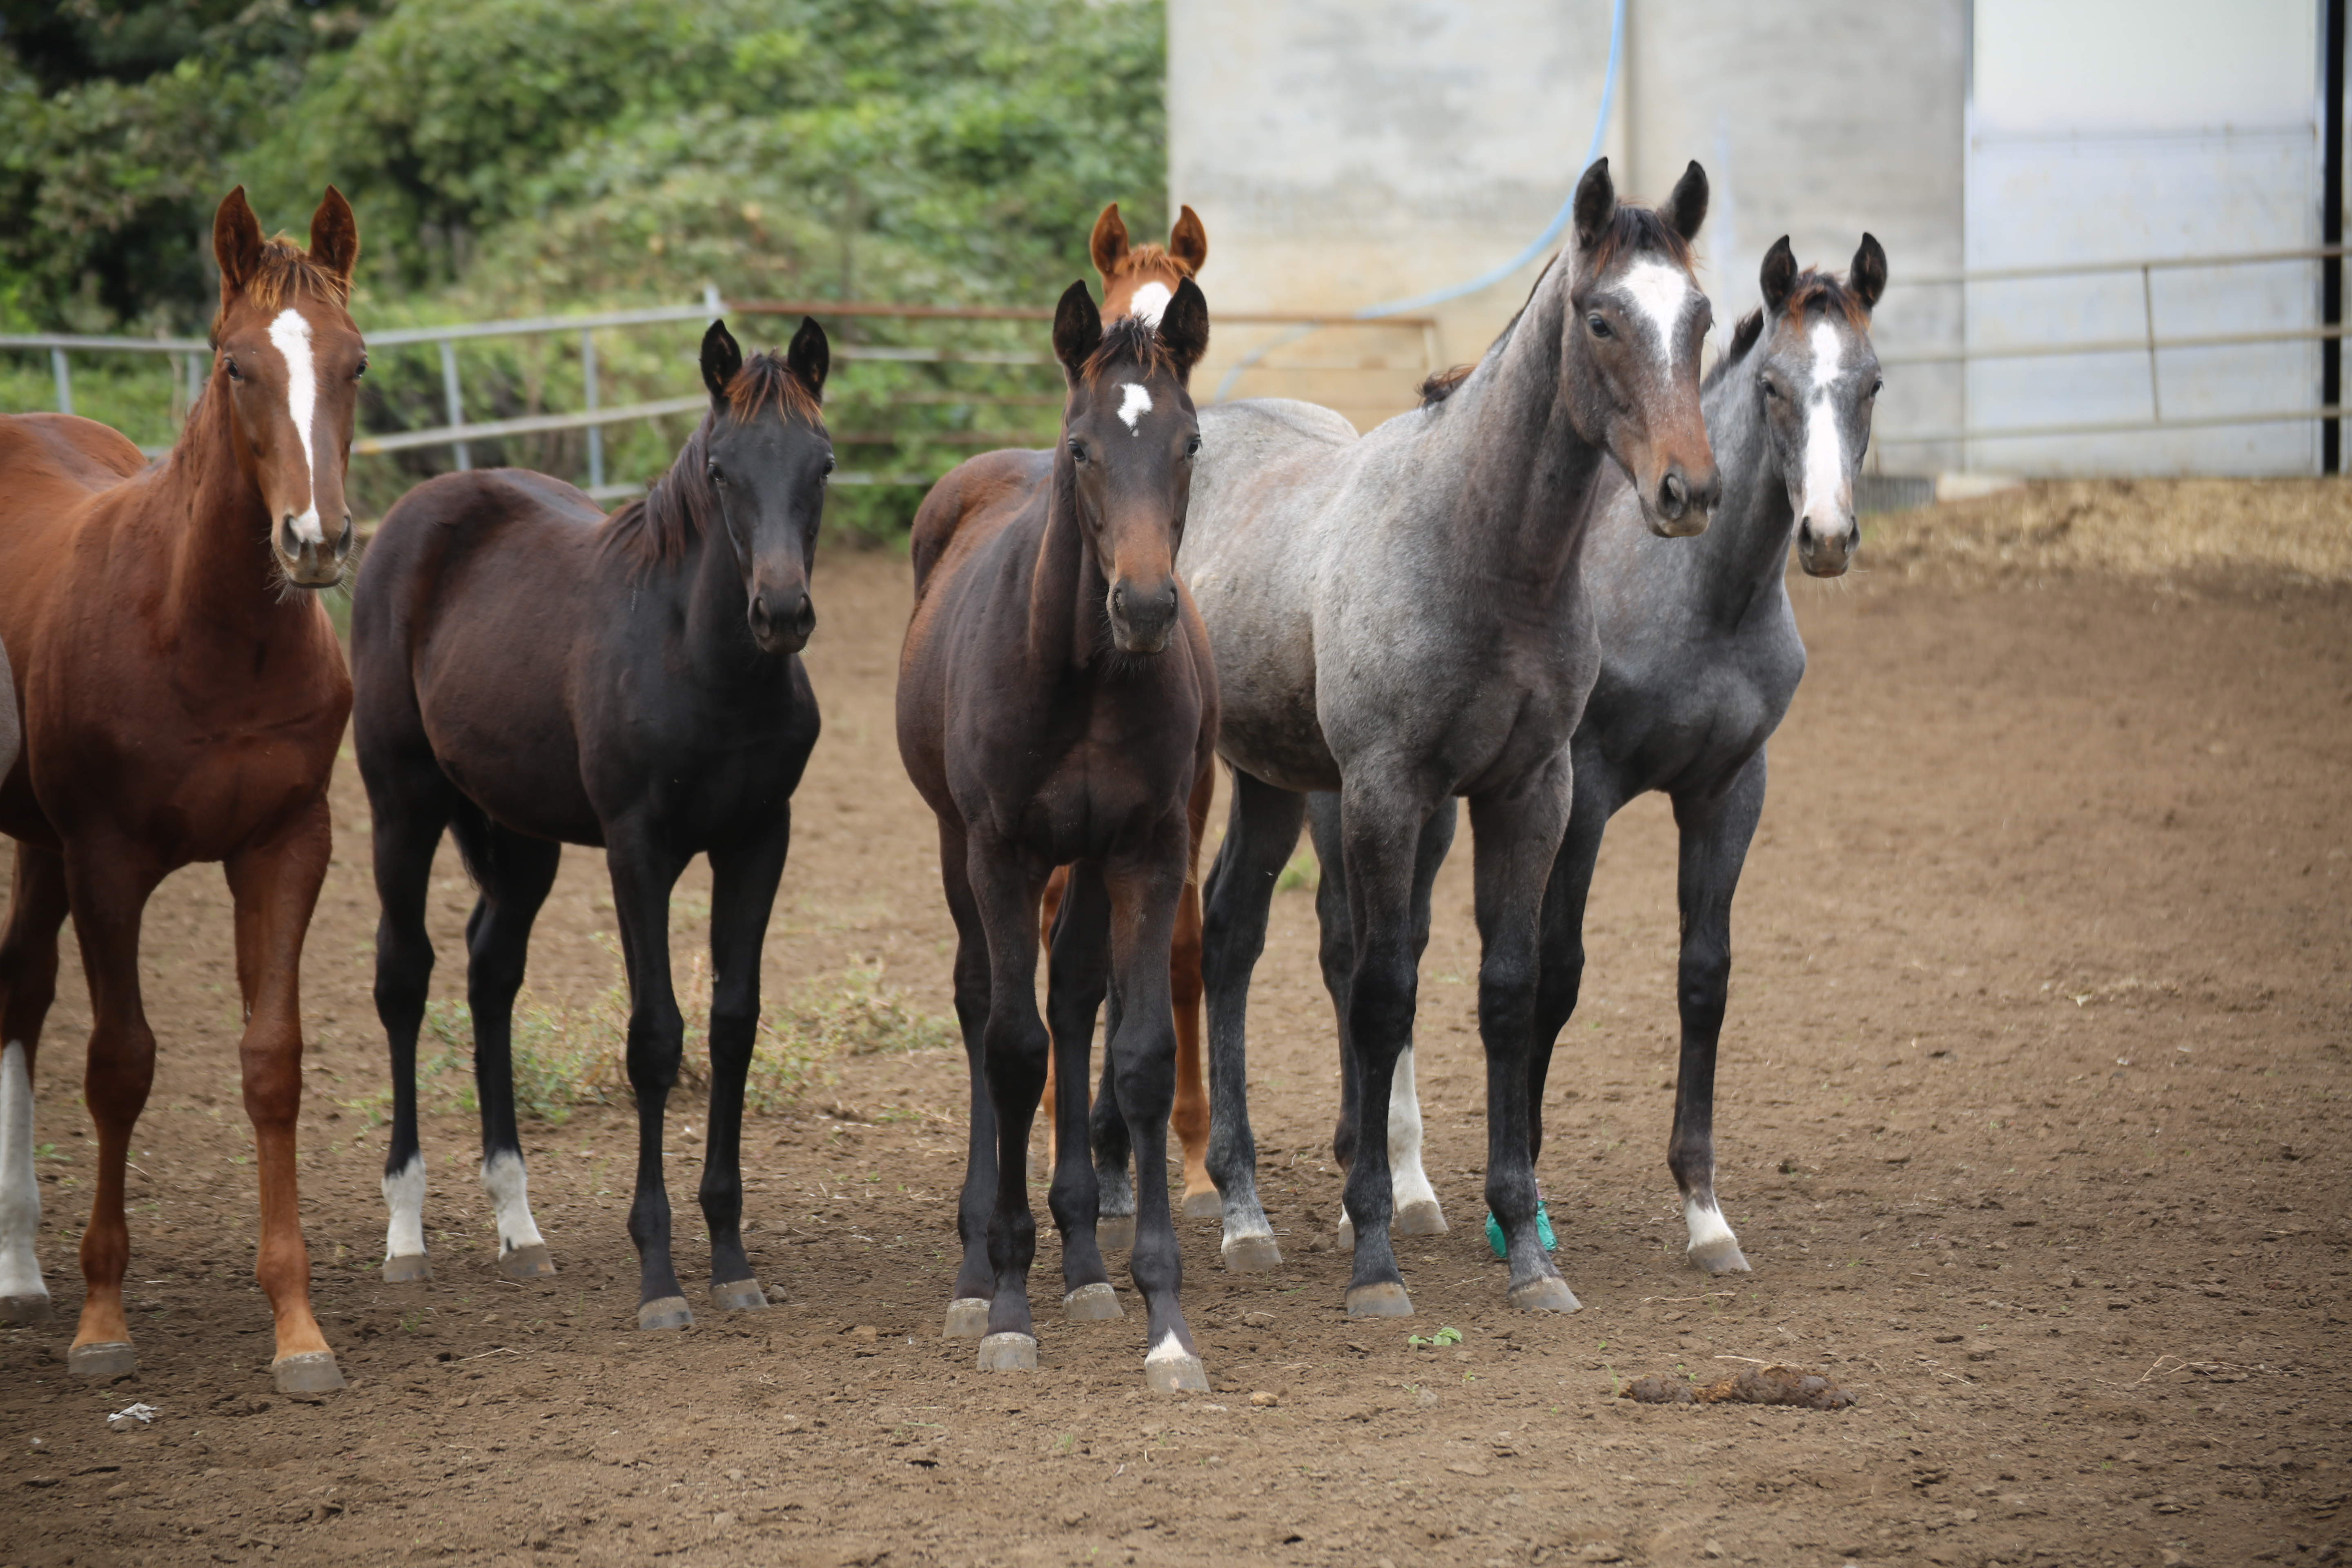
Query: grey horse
x=1403 y=617
x=1699 y=660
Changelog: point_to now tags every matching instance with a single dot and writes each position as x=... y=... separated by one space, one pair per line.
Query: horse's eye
x=234 y=374
x=828 y=462
x=1769 y=389
x=363 y=369
x=1877 y=387
x=716 y=477
x=1600 y=327
x=1192 y=448
x=1078 y=451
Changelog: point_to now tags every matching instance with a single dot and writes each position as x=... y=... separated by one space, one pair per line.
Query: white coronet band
x=1708 y=1226
x=290 y=335
x=403 y=1195
x=1170 y=1348
x=504 y=1179
x=20 y=1186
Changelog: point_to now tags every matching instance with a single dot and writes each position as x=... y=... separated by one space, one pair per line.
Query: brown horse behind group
x=181 y=698
x=1138 y=279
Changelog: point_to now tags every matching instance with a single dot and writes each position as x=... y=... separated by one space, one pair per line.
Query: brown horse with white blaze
x=181 y=699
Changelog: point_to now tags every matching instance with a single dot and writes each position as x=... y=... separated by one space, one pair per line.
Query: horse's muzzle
x=1141 y=618
x=1828 y=552
x=310 y=562
x=1681 y=504
x=782 y=623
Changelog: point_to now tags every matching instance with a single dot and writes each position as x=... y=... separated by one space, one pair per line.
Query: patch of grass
x=1304 y=871
x=565 y=1057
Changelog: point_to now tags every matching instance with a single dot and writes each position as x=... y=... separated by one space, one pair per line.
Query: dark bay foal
x=531 y=674
x=1055 y=705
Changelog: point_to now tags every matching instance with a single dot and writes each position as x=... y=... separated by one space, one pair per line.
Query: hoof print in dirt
x=312 y=1372
x=1008 y=1352
x=1175 y=1371
x=532 y=1262
x=1385 y=1299
x=1094 y=1303
x=1548 y=1294
x=739 y=1296
x=1757 y=1386
x=413 y=1270
x=666 y=1312
x=1250 y=1253
x=967 y=1319
x=112 y=1358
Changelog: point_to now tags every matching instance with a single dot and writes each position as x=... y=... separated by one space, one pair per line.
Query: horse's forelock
x=1131 y=342
x=1151 y=258
x=765 y=378
x=1819 y=293
x=286 y=273
x=1638 y=230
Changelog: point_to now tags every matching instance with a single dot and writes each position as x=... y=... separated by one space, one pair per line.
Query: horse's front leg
x=974 y=1282
x=28 y=984
x=1013 y=1050
x=1143 y=894
x=1515 y=836
x=744 y=875
x=1073 y=992
x=644 y=873
x=276 y=887
x=1714 y=838
x=1261 y=830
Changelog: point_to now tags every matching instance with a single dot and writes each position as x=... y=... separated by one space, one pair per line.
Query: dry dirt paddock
x=2030 y=1119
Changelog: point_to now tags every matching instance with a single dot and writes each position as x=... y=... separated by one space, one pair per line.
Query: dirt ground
x=2029 y=1119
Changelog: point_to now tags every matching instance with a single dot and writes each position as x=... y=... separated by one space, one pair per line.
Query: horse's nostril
x=287 y=541
x=1674 y=495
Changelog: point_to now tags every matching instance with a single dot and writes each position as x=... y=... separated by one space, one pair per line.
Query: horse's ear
x=1188 y=242
x=1867 y=277
x=810 y=357
x=1109 y=244
x=335 y=235
x=1777 y=274
x=1596 y=205
x=1078 y=328
x=1184 y=327
x=1685 y=209
x=236 y=242
x=722 y=357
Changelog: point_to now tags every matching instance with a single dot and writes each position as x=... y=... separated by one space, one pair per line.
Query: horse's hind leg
x=1014 y=1051
x=1190 y=1119
x=974 y=1282
x=1714 y=838
x=276 y=886
x=743 y=879
x=28 y=983
x=1114 y=1151
x=1073 y=990
x=644 y=873
x=1516 y=837
x=515 y=873
x=1260 y=833
x=107 y=887
x=410 y=802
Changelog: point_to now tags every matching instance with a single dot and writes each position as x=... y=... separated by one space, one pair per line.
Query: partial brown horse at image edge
x=181 y=699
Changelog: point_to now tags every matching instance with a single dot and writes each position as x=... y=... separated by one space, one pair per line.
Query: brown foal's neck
x=1066 y=589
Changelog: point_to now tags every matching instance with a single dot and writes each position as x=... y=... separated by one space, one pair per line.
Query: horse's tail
x=476 y=844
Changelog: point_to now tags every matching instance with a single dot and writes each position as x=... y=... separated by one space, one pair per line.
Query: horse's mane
x=676 y=510
x=1813 y=293
x=287 y=272
x=1148 y=258
x=1130 y=340
x=1631 y=228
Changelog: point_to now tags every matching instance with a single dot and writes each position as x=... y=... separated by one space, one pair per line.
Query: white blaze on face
x=20 y=1188
x=510 y=1189
x=1134 y=402
x=1824 y=443
x=1661 y=293
x=1148 y=302
x=403 y=1195
x=289 y=334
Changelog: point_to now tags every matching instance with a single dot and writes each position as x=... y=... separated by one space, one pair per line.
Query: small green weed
x=1441 y=1337
x=1304 y=871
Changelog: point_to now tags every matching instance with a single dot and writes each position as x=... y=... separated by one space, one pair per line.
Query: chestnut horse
x=1055 y=707
x=532 y=674
x=1138 y=279
x=182 y=700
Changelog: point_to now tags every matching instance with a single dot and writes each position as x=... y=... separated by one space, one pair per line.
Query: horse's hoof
x=531 y=1262
x=1008 y=1352
x=1250 y=1253
x=1203 y=1205
x=1175 y=1373
x=415 y=1269
x=1096 y=1303
x=109 y=1358
x=312 y=1372
x=1423 y=1218
x=17 y=1311
x=666 y=1312
x=1115 y=1230
x=739 y=1296
x=967 y=1319
x=1722 y=1256
x=1382 y=1298
x=1544 y=1293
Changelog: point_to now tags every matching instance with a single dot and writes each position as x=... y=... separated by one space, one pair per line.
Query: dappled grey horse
x=1700 y=658
x=1401 y=617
